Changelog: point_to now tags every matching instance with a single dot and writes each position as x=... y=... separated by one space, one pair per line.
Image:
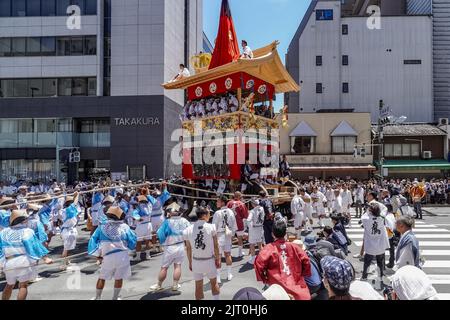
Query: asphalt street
x=78 y=282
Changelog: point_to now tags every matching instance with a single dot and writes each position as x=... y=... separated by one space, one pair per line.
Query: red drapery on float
x=226 y=48
x=231 y=83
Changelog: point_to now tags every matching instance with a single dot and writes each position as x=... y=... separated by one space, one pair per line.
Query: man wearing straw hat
x=144 y=229
x=170 y=235
x=6 y=206
x=69 y=232
x=20 y=250
x=111 y=243
x=22 y=196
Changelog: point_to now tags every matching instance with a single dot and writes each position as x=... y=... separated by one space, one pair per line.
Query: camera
x=388 y=293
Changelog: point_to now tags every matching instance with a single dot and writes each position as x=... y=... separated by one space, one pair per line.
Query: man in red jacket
x=285 y=264
x=241 y=213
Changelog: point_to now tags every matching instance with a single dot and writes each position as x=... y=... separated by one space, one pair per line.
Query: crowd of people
x=308 y=261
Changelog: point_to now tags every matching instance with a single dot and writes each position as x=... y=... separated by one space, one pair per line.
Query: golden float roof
x=266 y=65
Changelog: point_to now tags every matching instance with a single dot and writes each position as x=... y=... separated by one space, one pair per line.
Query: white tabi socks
x=116 y=293
x=230 y=275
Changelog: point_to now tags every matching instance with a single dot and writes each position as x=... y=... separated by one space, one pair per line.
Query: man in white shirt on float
x=247 y=52
x=184 y=73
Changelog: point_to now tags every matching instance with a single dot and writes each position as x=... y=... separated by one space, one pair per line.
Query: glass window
x=345 y=29
x=389 y=150
x=61 y=7
x=65 y=125
x=87 y=126
x=5 y=47
x=76 y=46
x=20 y=88
x=91 y=7
x=319 y=88
x=90 y=45
x=102 y=126
x=65 y=87
x=45 y=125
x=107 y=47
x=48 y=8
x=79 y=87
x=345 y=87
x=18 y=8
x=107 y=68
x=79 y=3
x=48 y=46
x=49 y=87
x=397 y=150
x=415 y=150
x=106 y=86
x=33 y=46
x=92 y=86
x=63 y=46
x=18 y=46
x=8 y=126
x=344 y=145
x=25 y=125
x=35 y=86
x=6 y=88
x=5 y=8
x=318 y=61
x=345 y=60
x=303 y=145
x=406 y=150
x=33 y=8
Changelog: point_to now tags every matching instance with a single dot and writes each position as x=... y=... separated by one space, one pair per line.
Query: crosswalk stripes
x=434 y=243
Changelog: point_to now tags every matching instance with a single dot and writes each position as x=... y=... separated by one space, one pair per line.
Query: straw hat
x=108 y=199
x=34 y=207
x=142 y=199
x=115 y=211
x=15 y=214
x=173 y=208
x=5 y=201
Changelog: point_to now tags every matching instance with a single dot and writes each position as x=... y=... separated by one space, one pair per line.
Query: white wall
x=373 y=73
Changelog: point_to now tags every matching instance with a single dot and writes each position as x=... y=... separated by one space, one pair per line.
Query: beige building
x=323 y=145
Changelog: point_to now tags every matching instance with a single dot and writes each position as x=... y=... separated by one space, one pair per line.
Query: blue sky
x=259 y=22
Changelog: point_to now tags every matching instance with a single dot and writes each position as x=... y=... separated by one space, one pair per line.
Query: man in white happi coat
x=170 y=235
x=329 y=194
x=297 y=210
x=318 y=200
x=347 y=201
x=203 y=253
x=255 y=222
x=225 y=223
x=307 y=209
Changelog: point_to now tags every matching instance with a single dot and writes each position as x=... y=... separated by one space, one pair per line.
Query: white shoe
x=176 y=288
x=95 y=298
x=148 y=256
x=156 y=288
x=357 y=256
x=230 y=277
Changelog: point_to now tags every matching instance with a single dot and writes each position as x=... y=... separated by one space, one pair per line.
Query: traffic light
x=75 y=157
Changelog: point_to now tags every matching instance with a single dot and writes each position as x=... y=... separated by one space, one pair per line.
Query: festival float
x=231 y=93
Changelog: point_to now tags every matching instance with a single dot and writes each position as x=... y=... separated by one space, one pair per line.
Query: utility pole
x=380 y=140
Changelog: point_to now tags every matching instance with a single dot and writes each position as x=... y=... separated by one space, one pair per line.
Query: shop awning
x=303 y=130
x=334 y=167
x=416 y=165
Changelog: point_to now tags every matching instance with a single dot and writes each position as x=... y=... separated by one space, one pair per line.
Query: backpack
x=315 y=279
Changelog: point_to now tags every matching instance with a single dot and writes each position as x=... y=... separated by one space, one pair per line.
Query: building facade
x=414 y=150
x=323 y=145
x=344 y=60
x=92 y=82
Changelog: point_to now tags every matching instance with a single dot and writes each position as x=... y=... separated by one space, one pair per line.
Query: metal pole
x=57 y=163
x=380 y=142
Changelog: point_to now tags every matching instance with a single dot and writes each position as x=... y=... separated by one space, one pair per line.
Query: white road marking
x=437 y=264
x=418 y=236
x=439 y=278
x=421 y=243
x=414 y=230
x=444 y=296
